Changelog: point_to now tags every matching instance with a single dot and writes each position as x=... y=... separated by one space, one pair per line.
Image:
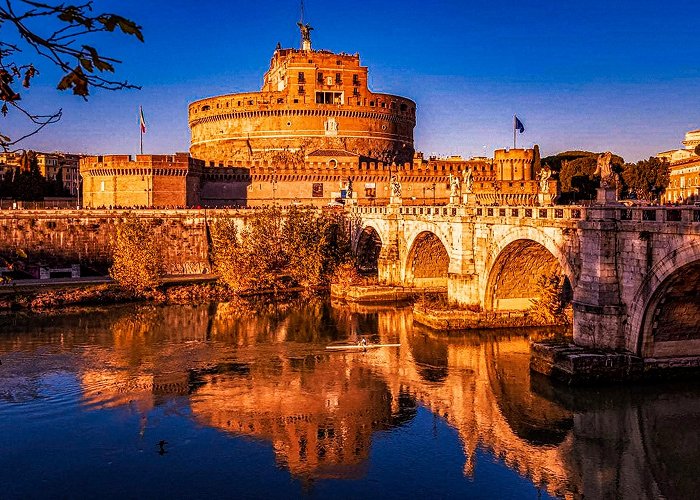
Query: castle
x=315 y=134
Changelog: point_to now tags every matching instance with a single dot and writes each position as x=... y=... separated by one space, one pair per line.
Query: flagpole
x=141 y=127
x=514 y=147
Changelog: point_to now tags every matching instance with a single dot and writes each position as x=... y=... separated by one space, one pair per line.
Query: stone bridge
x=633 y=273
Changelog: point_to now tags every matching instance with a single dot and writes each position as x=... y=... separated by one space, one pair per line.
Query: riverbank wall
x=61 y=238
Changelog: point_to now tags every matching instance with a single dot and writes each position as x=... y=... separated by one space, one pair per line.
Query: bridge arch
x=428 y=261
x=514 y=266
x=664 y=320
x=367 y=249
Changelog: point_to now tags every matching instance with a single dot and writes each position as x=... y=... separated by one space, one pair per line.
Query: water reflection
x=262 y=372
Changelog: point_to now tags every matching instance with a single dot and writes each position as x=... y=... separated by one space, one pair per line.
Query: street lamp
x=80 y=183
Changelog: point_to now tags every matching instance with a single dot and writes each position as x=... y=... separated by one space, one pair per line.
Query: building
x=141 y=181
x=310 y=100
x=52 y=166
x=684 y=183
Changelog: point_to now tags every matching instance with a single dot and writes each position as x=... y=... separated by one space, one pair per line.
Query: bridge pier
x=463 y=289
x=598 y=309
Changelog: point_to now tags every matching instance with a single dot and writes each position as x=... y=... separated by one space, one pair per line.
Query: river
x=241 y=400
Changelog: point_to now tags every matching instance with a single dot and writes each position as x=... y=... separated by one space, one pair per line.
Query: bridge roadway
x=633 y=273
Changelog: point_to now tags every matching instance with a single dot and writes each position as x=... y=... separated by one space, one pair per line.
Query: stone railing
x=651 y=214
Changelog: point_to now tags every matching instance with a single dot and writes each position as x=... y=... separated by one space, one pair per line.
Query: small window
x=301 y=89
x=338 y=81
x=371 y=103
x=301 y=77
x=320 y=77
x=205 y=108
x=355 y=80
x=338 y=63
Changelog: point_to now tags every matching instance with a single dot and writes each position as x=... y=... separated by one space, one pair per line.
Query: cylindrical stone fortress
x=310 y=100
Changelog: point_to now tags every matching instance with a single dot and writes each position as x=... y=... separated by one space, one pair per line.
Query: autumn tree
x=279 y=249
x=137 y=259
x=554 y=295
x=646 y=179
x=61 y=35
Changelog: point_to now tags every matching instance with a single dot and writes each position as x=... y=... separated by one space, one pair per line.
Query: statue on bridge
x=395 y=187
x=607 y=192
x=348 y=191
x=468 y=180
x=454 y=190
x=603 y=168
x=544 y=176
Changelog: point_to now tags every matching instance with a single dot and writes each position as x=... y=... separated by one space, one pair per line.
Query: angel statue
x=395 y=186
x=604 y=170
x=454 y=186
x=467 y=180
x=544 y=175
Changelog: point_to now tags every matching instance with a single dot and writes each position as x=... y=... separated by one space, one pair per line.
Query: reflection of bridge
x=634 y=272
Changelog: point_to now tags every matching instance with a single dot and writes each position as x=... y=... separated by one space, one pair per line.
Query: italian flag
x=142 y=120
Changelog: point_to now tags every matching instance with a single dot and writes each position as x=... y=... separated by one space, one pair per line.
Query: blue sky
x=614 y=75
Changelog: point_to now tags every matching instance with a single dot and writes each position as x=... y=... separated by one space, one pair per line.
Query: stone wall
x=63 y=237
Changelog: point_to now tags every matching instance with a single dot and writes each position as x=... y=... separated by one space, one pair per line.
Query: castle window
x=320 y=77
x=404 y=107
x=205 y=108
x=355 y=80
x=301 y=89
x=338 y=81
x=239 y=103
x=280 y=100
x=371 y=103
x=383 y=105
x=301 y=77
x=296 y=101
x=337 y=63
x=329 y=98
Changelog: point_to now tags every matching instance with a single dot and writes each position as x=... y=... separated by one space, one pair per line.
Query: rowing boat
x=362 y=347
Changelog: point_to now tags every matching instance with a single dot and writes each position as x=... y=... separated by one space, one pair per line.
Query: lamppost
x=80 y=186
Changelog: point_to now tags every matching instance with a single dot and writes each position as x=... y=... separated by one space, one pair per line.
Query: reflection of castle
x=314 y=134
x=319 y=415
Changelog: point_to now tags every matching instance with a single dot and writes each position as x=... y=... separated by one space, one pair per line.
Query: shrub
x=137 y=260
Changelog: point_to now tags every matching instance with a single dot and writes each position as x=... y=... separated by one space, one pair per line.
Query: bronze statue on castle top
x=305 y=31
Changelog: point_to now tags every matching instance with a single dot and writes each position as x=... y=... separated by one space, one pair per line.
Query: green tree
x=137 y=260
x=575 y=172
x=58 y=33
x=646 y=179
